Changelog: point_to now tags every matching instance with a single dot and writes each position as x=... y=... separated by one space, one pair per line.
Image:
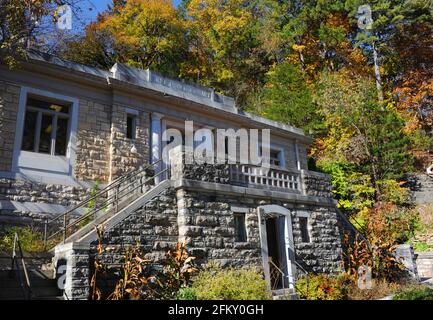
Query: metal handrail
x=283 y=275
x=120 y=195
x=307 y=275
x=26 y=287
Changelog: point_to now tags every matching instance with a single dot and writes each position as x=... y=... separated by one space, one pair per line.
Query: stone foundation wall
x=154 y=227
x=27 y=191
x=38 y=194
x=205 y=221
x=206 y=224
x=9 y=99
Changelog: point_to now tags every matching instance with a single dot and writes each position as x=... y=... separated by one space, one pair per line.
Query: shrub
x=416 y=293
x=186 y=294
x=323 y=287
x=391 y=223
x=379 y=289
x=215 y=283
x=376 y=254
x=31 y=240
x=393 y=192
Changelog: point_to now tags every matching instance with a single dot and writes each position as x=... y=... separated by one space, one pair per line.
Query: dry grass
x=380 y=289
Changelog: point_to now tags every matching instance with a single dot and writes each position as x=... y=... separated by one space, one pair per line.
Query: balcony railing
x=273 y=178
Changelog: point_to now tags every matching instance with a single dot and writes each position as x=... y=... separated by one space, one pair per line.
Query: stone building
x=65 y=127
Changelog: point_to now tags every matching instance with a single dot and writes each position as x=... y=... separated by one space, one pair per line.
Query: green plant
x=215 y=283
x=393 y=192
x=31 y=239
x=186 y=294
x=91 y=206
x=178 y=269
x=421 y=246
x=416 y=293
x=323 y=287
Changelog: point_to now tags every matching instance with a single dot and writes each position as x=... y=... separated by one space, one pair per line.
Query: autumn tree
x=141 y=33
x=225 y=50
x=286 y=97
x=22 y=26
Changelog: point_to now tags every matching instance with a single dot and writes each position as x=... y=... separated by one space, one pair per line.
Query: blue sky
x=89 y=10
x=92 y=7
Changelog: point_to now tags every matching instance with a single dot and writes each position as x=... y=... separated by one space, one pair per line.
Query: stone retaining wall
x=424 y=262
x=38 y=194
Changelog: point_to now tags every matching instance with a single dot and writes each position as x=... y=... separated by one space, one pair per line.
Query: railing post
x=64 y=228
x=95 y=205
x=116 y=198
x=45 y=232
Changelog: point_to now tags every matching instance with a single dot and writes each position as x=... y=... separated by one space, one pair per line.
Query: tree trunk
x=377 y=74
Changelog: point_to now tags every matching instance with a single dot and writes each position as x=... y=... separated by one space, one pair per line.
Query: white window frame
x=241 y=211
x=41 y=167
x=307 y=215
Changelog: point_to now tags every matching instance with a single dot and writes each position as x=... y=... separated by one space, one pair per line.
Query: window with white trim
x=46 y=126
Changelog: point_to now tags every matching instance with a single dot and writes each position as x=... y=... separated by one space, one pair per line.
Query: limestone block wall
x=121 y=158
x=93 y=141
x=39 y=194
x=205 y=222
x=153 y=226
x=27 y=191
x=316 y=184
x=9 y=98
x=324 y=251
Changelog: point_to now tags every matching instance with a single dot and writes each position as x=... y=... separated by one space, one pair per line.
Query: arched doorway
x=277 y=246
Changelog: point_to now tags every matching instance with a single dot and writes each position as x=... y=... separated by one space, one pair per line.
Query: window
x=131 y=124
x=303 y=221
x=46 y=127
x=240 y=227
x=275 y=156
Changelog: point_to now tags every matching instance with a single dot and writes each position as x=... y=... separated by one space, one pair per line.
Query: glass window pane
x=304 y=229
x=61 y=136
x=29 y=131
x=240 y=228
x=36 y=103
x=45 y=138
x=130 y=127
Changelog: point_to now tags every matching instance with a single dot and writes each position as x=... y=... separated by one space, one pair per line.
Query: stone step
x=424 y=197
x=37 y=293
x=285 y=294
x=42 y=285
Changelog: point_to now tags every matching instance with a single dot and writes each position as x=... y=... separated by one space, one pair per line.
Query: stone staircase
x=285 y=294
x=421 y=186
x=43 y=283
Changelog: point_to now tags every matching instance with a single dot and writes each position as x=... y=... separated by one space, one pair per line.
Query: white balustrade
x=267 y=177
